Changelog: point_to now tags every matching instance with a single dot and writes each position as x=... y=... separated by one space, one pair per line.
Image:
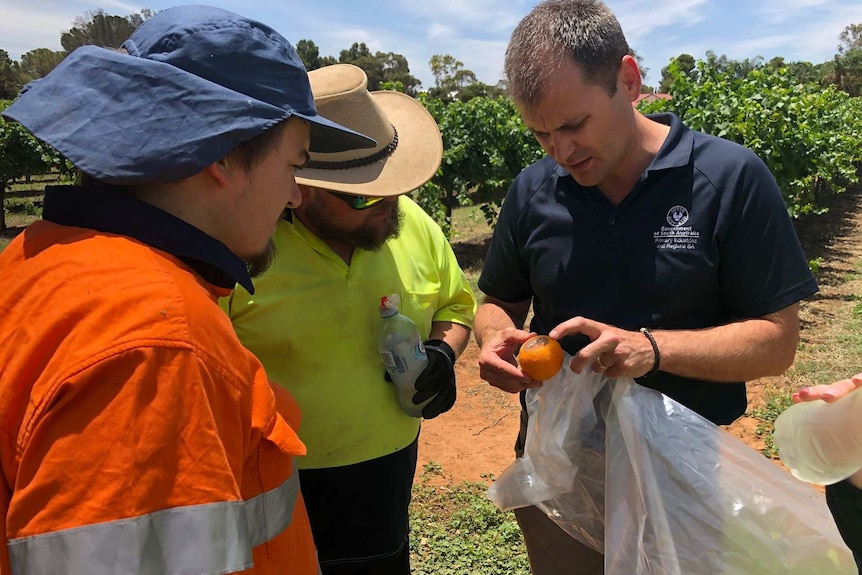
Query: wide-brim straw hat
x=409 y=146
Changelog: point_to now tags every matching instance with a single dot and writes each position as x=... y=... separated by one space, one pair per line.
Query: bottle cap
x=389 y=305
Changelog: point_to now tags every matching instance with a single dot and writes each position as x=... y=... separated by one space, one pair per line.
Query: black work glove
x=437 y=380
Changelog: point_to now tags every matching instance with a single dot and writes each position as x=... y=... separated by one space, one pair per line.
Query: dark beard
x=365 y=237
x=259 y=263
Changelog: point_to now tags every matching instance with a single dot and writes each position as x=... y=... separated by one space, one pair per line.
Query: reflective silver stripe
x=206 y=539
x=271 y=512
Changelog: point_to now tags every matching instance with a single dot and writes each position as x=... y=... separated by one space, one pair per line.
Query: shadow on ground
x=820 y=236
x=471 y=253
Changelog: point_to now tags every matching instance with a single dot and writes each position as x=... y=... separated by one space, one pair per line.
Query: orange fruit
x=540 y=357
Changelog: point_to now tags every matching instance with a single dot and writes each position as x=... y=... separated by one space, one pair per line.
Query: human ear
x=219 y=171
x=629 y=77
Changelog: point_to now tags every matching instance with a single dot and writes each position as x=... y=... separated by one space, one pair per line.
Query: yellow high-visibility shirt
x=313 y=323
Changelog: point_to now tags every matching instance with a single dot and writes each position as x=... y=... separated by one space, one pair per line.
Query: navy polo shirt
x=702 y=239
x=110 y=209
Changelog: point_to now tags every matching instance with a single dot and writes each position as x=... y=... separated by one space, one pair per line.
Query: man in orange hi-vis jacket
x=137 y=435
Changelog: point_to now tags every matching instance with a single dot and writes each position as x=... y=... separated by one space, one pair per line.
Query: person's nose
x=563 y=146
x=294 y=197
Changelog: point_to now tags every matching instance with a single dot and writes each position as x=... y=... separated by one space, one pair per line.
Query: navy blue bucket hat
x=196 y=82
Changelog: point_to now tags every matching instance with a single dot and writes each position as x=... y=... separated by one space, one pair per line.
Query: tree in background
x=396 y=70
x=801 y=72
x=101 y=29
x=454 y=82
x=734 y=68
x=806 y=72
x=10 y=79
x=485 y=145
x=309 y=53
x=381 y=67
x=850 y=38
x=685 y=64
x=37 y=63
x=846 y=70
x=450 y=77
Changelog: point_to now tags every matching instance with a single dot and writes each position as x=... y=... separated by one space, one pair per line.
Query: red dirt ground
x=476 y=437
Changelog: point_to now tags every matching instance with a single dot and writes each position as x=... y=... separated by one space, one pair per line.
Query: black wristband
x=648 y=334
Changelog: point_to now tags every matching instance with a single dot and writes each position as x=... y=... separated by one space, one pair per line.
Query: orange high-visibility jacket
x=137 y=435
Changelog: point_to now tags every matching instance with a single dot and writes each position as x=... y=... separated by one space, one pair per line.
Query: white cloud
x=346 y=37
x=437 y=30
x=777 y=11
x=487 y=16
x=641 y=19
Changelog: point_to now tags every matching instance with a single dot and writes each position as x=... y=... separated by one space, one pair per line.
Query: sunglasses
x=358 y=202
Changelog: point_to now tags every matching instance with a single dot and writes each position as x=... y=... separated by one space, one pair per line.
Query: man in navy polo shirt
x=649 y=250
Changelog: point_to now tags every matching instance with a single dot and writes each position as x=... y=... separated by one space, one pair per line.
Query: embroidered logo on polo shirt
x=676 y=236
x=677 y=216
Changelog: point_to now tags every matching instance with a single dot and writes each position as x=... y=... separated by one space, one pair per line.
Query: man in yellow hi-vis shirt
x=313 y=320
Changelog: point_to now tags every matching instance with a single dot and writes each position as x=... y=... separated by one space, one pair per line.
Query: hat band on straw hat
x=384 y=152
x=409 y=147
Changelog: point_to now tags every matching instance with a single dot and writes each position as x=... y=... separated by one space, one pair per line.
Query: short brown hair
x=251 y=152
x=555 y=32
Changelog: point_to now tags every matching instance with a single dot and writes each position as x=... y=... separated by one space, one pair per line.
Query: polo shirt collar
x=675 y=152
x=113 y=211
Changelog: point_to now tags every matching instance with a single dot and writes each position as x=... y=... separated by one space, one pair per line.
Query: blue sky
x=476 y=31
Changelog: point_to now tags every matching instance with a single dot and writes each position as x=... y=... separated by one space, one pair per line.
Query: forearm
x=454 y=334
x=494 y=316
x=740 y=351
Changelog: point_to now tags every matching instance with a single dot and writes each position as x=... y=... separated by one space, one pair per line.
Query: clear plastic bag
x=660 y=490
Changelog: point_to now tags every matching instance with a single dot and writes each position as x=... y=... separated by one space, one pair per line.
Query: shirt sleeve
x=763 y=268
x=504 y=275
x=122 y=450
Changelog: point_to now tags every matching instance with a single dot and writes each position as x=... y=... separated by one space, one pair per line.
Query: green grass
x=836 y=351
x=469 y=226
x=20 y=212
x=23 y=205
x=468 y=222
x=24 y=208
x=456 y=530
x=775 y=401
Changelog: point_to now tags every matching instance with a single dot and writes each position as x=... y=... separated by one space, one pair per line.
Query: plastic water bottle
x=821 y=442
x=402 y=351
